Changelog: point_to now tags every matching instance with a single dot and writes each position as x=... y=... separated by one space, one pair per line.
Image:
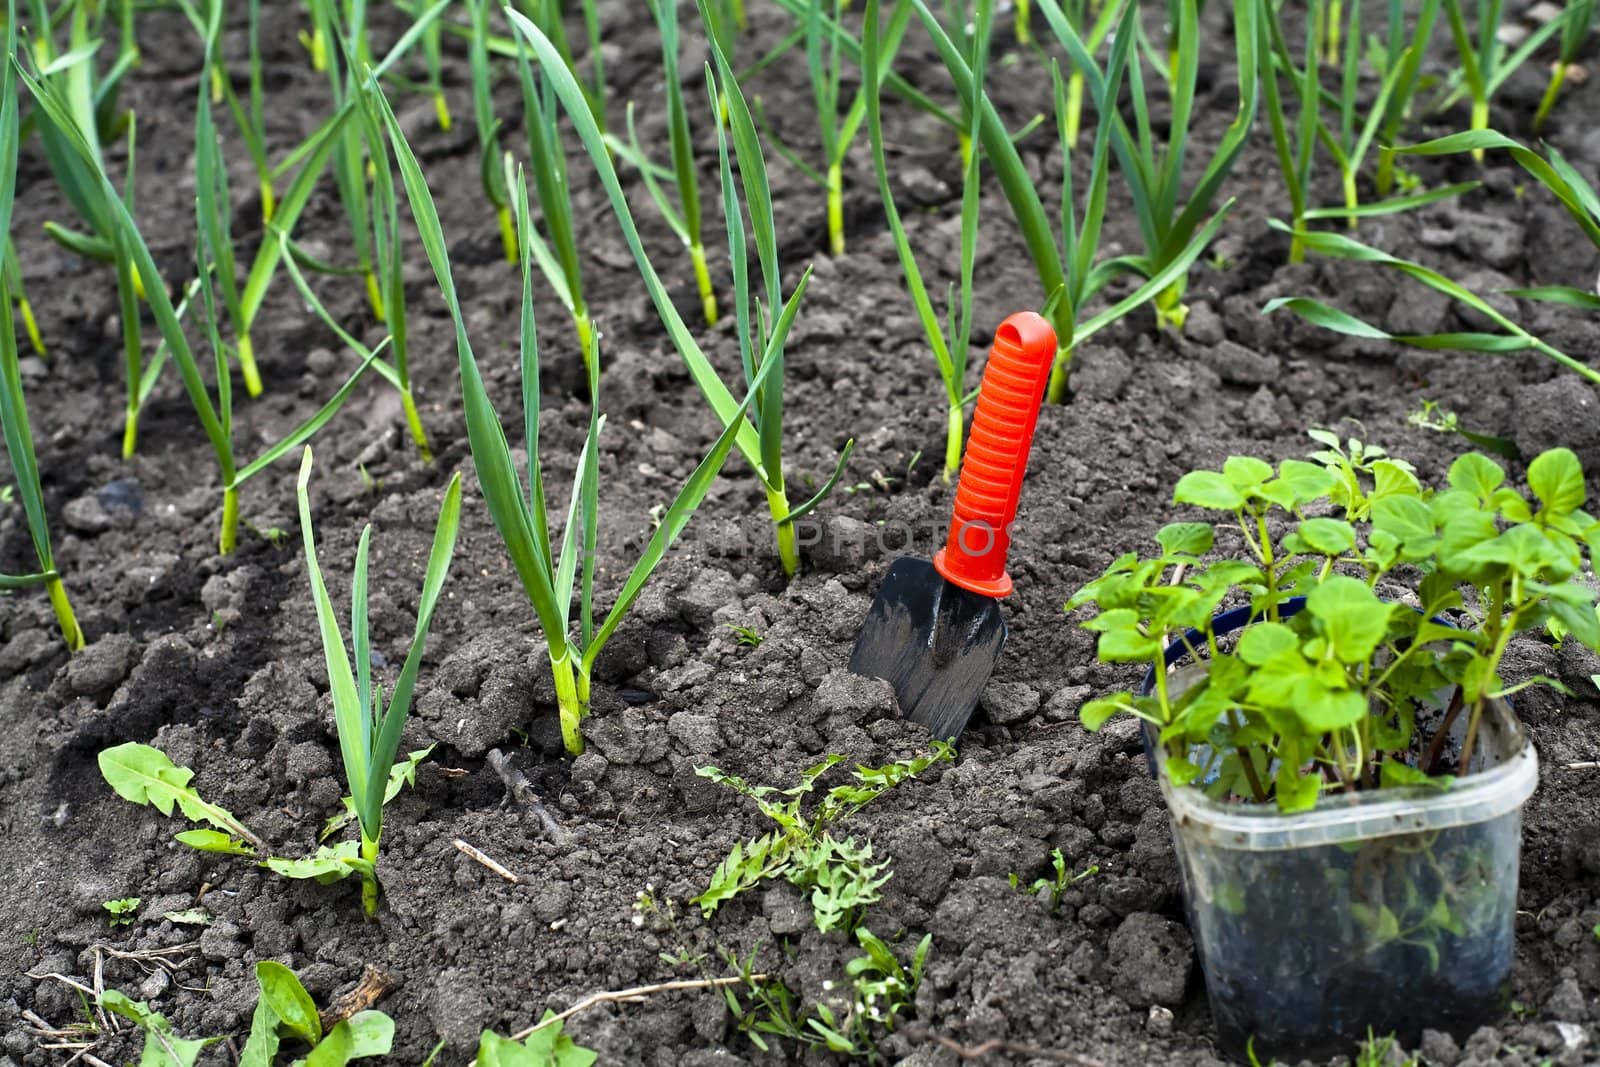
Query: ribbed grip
x=974 y=555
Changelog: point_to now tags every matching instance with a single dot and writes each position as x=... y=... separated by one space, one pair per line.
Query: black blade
x=936 y=643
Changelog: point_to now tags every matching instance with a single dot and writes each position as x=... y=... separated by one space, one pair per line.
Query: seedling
x=839 y=875
x=1397 y=59
x=746 y=636
x=762 y=330
x=1051 y=888
x=1575 y=22
x=878 y=990
x=369 y=734
x=548 y=160
x=948 y=340
x=14 y=428
x=1485 y=63
x=547 y=1046
x=684 y=220
x=122 y=911
x=1333 y=699
x=548 y=569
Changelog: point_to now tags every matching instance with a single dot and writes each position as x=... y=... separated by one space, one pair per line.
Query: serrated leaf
x=1308 y=481
x=1350 y=615
x=145 y=775
x=328 y=864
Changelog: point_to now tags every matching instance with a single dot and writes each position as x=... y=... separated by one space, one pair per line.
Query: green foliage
x=145 y=775
x=1576 y=20
x=369 y=734
x=121 y=912
x=839 y=875
x=878 y=989
x=1485 y=63
x=162 y=1046
x=547 y=1046
x=1051 y=888
x=402 y=774
x=1328 y=700
x=1508 y=337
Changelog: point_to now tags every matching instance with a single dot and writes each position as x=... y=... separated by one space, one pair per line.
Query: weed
x=122 y=911
x=1052 y=888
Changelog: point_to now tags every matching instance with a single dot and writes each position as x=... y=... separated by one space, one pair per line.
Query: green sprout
x=548 y=569
x=1397 y=59
x=491 y=169
x=686 y=176
x=1172 y=225
x=1575 y=22
x=548 y=161
x=121 y=912
x=1485 y=63
x=369 y=733
x=11 y=267
x=1051 y=889
x=14 y=426
x=948 y=340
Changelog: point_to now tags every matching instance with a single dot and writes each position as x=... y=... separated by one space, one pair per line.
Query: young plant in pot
x=1327 y=716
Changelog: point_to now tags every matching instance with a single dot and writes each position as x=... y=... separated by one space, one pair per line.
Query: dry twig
x=625 y=996
x=995 y=1044
x=371 y=987
x=521 y=793
x=488 y=861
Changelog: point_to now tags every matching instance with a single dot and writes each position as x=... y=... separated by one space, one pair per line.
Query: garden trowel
x=935 y=630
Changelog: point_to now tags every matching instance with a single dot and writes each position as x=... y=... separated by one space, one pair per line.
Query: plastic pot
x=1393 y=909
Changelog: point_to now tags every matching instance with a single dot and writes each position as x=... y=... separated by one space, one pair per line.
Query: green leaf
x=1308 y=481
x=329 y=864
x=1351 y=616
x=282 y=992
x=1095 y=713
x=1181 y=771
x=1396 y=775
x=214 y=841
x=1556 y=478
x=1246 y=472
x=1261 y=641
x=1186 y=538
x=1327 y=537
x=1208 y=489
x=1406 y=518
x=1296 y=791
x=1322 y=709
x=1477 y=474
x=145 y=775
x=162 y=1047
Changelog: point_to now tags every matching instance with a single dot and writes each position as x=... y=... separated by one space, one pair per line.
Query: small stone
x=1159 y=1022
x=86 y=515
x=1422 y=311
x=1558 y=412
x=1152 y=957
x=220 y=941
x=786 y=910
x=1573 y=1036
x=1261 y=413
x=459 y=1010
x=28 y=648
x=1009 y=702
x=589 y=767
x=1099 y=373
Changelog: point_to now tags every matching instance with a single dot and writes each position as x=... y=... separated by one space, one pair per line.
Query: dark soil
x=217 y=662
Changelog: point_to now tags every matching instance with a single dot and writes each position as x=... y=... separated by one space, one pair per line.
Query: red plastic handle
x=974 y=555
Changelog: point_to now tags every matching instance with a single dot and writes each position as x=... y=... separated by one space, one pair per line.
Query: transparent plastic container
x=1393 y=910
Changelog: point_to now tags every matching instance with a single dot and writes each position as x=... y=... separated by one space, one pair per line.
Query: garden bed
x=215 y=660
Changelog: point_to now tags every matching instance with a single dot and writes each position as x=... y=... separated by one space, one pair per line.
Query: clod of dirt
x=1558 y=412
x=1009 y=702
x=1152 y=958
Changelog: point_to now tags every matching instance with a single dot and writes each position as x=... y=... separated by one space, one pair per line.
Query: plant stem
x=369 y=881
x=1170 y=308
x=70 y=630
x=1558 y=74
x=702 y=281
x=580 y=321
x=835 y=209
x=230 y=520
x=1430 y=759
x=247 y=366
x=269 y=202
x=441 y=108
x=1297 y=243
x=1385 y=175
x=374 y=295
x=1056 y=391
x=1024 y=17
x=414 y=420
x=788 y=549
x=1350 y=201
x=130 y=433
x=1249 y=768
x=567 y=703
x=508 y=233
x=1335 y=21
x=1480 y=121
x=953 y=439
